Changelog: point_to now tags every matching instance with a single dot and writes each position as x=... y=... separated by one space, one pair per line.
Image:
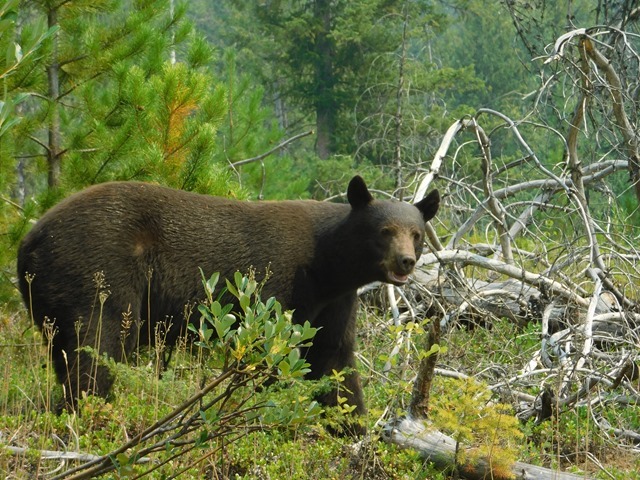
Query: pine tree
x=97 y=91
x=363 y=73
x=108 y=100
x=312 y=57
x=23 y=45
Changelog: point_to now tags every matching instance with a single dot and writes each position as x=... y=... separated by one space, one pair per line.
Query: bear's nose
x=407 y=262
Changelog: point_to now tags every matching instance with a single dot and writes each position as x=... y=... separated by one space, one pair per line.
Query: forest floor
x=305 y=450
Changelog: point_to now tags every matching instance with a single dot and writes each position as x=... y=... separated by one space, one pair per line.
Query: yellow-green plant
x=485 y=430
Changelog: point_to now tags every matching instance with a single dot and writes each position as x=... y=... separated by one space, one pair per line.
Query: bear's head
x=390 y=232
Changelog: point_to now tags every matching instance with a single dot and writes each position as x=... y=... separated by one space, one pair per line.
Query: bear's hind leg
x=79 y=354
x=81 y=374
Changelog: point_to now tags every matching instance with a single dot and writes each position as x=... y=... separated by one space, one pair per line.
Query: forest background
x=289 y=99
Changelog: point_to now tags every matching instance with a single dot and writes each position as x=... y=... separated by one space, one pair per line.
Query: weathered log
x=514 y=299
x=440 y=449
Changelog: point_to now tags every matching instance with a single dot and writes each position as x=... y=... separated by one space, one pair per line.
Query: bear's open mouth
x=397 y=278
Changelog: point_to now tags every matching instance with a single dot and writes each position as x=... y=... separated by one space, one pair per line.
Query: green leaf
x=224 y=324
x=337 y=376
x=284 y=368
x=216 y=309
x=232 y=289
x=244 y=301
x=294 y=356
x=212 y=282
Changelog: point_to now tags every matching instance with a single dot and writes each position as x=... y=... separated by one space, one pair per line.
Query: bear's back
x=131 y=230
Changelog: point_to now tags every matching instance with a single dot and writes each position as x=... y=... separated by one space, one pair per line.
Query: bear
x=150 y=244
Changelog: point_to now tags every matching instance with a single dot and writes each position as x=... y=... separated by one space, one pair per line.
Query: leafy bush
x=242 y=352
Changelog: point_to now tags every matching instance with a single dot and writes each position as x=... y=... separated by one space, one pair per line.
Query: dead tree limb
x=264 y=155
x=440 y=449
x=546 y=237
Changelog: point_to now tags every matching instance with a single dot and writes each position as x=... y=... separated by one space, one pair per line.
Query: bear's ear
x=428 y=206
x=358 y=193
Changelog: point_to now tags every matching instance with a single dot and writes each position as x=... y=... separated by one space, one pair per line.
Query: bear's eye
x=387 y=231
x=416 y=236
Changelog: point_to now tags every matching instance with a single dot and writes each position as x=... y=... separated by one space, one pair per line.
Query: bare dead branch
x=537 y=280
x=278 y=147
x=616 y=90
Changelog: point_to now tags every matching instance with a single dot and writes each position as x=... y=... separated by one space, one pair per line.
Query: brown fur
x=149 y=242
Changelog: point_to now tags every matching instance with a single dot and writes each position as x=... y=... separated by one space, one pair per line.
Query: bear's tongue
x=398 y=277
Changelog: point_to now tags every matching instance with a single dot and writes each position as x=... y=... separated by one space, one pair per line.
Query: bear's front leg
x=333 y=349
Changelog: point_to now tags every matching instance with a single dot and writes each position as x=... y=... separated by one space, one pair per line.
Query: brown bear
x=150 y=242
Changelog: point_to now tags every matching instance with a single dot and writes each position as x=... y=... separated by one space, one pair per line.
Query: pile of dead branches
x=540 y=225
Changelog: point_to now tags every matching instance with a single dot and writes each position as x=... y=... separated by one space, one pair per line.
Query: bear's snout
x=399 y=267
x=406 y=262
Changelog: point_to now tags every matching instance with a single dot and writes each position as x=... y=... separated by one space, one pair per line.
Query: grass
x=302 y=449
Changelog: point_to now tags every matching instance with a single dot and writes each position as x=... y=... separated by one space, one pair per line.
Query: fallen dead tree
x=440 y=450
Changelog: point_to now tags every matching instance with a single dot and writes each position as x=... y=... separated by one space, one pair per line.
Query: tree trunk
x=324 y=81
x=53 y=77
x=398 y=115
